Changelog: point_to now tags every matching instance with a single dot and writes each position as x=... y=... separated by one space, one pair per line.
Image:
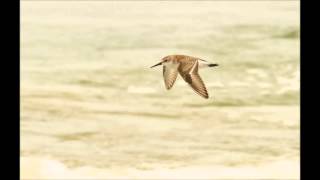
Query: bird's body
x=187 y=67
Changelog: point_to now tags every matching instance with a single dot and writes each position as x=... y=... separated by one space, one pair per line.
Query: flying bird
x=188 y=67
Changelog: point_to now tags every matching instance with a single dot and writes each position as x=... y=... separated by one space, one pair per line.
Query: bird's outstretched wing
x=170 y=73
x=191 y=76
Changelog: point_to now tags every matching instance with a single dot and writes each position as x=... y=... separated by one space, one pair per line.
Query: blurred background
x=89 y=98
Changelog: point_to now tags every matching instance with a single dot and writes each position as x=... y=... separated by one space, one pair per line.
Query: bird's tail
x=212 y=65
x=206 y=64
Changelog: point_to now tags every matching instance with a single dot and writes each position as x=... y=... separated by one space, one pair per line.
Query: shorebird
x=187 y=66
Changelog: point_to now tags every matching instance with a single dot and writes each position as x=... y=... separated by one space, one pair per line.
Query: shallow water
x=89 y=98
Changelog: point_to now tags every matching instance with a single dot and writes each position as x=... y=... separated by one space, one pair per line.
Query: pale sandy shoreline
x=47 y=168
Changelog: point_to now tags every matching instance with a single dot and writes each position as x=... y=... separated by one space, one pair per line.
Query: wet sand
x=45 y=168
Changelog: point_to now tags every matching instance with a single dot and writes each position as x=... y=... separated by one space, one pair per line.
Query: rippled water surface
x=89 y=98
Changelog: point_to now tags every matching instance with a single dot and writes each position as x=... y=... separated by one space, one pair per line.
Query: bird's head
x=163 y=61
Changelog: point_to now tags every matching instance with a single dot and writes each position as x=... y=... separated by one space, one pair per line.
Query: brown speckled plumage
x=188 y=67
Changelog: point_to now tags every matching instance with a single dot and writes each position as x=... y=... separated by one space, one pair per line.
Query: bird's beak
x=156 y=65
